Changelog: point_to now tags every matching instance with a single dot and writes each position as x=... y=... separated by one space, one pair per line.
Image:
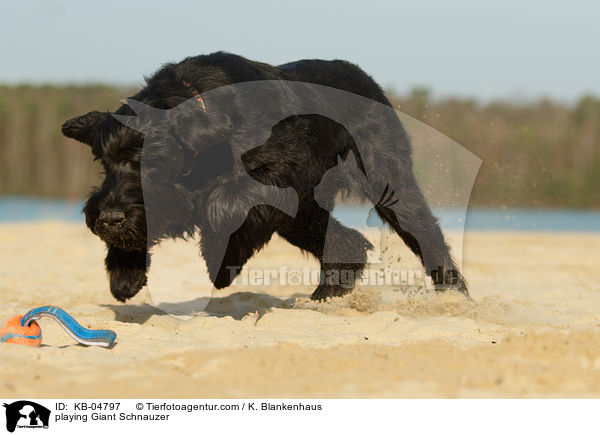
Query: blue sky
x=511 y=49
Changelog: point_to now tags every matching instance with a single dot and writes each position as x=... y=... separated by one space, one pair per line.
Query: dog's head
x=155 y=162
x=114 y=210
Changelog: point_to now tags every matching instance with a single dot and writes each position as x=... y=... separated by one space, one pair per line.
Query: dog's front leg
x=126 y=272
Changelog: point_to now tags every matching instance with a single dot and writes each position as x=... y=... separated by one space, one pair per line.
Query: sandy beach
x=531 y=330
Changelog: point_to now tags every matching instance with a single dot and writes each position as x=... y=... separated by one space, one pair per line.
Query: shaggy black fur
x=300 y=150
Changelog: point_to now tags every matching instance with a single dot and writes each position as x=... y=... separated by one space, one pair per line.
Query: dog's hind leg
x=342 y=258
x=412 y=219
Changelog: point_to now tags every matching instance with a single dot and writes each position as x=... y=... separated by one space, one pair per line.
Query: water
x=30 y=210
x=495 y=219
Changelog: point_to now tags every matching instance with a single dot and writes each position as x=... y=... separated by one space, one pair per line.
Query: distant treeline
x=540 y=154
x=535 y=154
x=35 y=159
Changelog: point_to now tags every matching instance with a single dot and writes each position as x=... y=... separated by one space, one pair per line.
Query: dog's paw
x=125 y=284
x=324 y=291
x=225 y=276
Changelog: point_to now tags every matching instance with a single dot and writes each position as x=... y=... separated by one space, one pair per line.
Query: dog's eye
x=134 y=164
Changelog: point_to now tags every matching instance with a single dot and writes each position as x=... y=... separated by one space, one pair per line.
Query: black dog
x=202 y=190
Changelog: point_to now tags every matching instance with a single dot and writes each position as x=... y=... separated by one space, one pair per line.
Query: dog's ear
x=83 y=128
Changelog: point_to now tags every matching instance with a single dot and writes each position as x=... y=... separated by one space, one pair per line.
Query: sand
x=531 y=330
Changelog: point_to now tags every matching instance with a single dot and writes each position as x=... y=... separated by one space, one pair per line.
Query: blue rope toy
x=25 y=330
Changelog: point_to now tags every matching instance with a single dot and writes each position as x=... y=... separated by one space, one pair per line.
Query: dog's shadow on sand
x=236 y=305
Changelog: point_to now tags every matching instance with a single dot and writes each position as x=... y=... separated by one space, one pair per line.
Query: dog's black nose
x=112 y=218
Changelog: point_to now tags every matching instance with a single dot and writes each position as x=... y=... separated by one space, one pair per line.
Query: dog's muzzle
x=111 y=219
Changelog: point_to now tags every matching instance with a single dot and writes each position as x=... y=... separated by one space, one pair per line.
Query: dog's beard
x=127 y=237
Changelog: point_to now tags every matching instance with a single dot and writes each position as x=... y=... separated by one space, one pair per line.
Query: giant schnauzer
x=204 y=193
